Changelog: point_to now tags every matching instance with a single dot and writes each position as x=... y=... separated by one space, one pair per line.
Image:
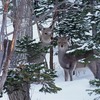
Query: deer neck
x=61 y=55
x=43 y=44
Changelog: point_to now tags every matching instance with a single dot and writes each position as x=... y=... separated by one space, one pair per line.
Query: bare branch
x=4 y=74
x=4 y=22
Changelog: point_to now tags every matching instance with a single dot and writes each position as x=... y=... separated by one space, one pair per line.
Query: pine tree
x=80 y=20
x=26 y=73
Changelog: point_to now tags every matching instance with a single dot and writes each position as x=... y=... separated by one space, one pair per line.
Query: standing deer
x=68 y=61
x=45 y=38
x=93 y=65
x=96 y=68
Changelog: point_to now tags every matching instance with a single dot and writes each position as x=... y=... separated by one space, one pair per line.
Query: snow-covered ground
x=71 y=90
x=74 y=90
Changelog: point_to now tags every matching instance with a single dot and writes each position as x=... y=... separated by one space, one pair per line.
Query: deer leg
x=93 y=68
x=71 y=74
x=66 y=74
x=71 y=70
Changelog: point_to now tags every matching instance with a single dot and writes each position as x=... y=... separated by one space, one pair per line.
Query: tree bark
x=6 y=64
x=94 y=32
x=22 y=9
x=52 y=26
x=21 y=94
x=51 y=58
x=94 y=26
x=2 y=35
x=22 y=23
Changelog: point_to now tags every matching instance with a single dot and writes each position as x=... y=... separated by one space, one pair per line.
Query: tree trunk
x=52 y=25
x=51 y=58
x=21 y=94
x=6 y=64
x=22 y=9
x=22 y=12
x=94 y=26
x=1 y=56
x=94 y=32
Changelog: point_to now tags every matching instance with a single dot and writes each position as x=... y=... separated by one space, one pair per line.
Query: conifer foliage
x=28 y=73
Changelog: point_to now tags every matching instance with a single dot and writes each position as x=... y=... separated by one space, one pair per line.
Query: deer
x=68 y=61
x=46 y=38
x=81 y=65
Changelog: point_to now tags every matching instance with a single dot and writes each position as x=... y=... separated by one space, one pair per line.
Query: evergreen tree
x=80 y=20
x=20 y=78
x=96 y=84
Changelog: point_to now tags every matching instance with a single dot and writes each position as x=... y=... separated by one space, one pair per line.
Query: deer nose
x=51 y=38
x=61 y=45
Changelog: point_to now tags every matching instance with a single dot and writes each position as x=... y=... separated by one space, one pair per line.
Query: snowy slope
x=75 y=90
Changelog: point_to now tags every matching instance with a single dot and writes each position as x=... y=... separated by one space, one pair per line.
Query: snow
x=71 y=90
x=75 y=90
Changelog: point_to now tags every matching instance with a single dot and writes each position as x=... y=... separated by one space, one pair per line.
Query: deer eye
x=46 y=33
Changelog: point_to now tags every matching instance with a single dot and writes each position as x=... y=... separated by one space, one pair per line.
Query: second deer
x=68 y=61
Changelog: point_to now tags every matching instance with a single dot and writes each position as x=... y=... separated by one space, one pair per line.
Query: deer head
x=63 y=43
x=46 y=35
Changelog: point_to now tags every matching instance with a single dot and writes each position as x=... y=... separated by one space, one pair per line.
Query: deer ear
x=68 y=38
